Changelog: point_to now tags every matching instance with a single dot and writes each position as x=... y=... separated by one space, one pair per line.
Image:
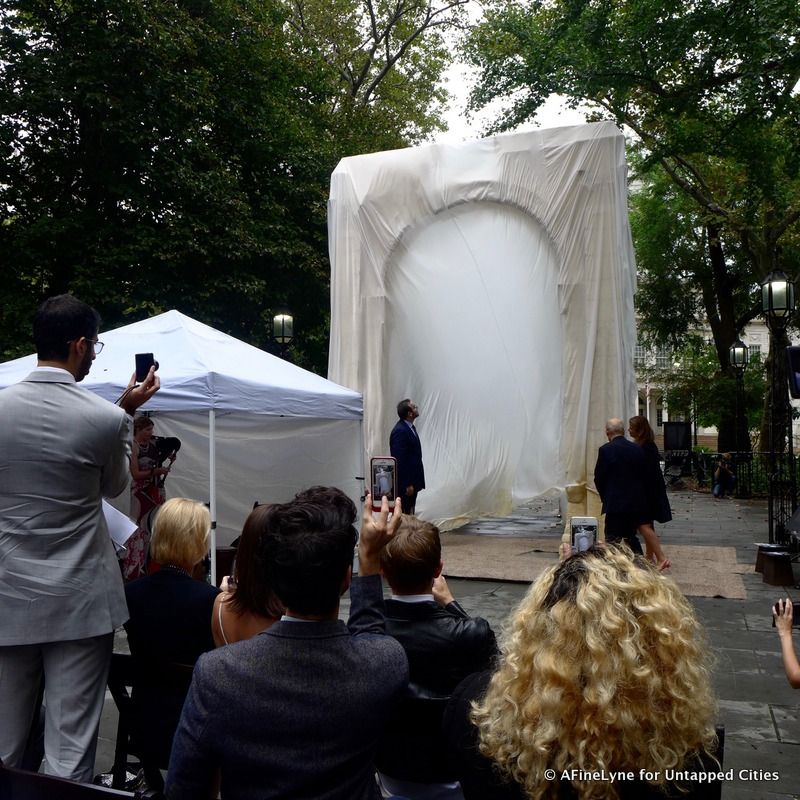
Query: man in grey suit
x=62 y=449
x=297 y=710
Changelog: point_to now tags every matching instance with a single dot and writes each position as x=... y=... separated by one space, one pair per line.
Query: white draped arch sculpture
x=493 y=283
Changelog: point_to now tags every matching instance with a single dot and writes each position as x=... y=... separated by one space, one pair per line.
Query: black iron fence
x=752 y=470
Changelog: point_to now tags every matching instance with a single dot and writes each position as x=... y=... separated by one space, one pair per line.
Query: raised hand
x=136 y=396
x=376 y=530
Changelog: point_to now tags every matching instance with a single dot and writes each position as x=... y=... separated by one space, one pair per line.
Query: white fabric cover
x=492 y=282
x=278 y=428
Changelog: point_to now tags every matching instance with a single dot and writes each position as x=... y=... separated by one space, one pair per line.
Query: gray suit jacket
x=62 y=449
x=295 y=712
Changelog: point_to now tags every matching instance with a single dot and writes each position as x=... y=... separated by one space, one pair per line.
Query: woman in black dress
x=657 y=501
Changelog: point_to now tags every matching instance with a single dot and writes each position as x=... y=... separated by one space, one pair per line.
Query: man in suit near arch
x=619 y=478
x=405 y=446
x=62 y=449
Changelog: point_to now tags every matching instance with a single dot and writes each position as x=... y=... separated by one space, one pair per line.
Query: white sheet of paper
x=120 y=527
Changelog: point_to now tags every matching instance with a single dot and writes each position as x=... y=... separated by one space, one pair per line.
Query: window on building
x=659 y=417
x=754 y=350
x=639 y=356
x=663 y=358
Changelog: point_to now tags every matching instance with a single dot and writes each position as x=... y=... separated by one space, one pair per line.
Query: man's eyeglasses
x=96 y=344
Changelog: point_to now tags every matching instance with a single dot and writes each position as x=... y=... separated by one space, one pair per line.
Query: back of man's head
x=411 y=560
x=615 y=427
x=60 y=320
x=308 y=547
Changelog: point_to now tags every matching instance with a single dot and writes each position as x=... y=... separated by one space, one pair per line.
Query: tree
x=707 y=88
x=697 y=389
x=157 y=154
x=386 y=59
x=690 y=275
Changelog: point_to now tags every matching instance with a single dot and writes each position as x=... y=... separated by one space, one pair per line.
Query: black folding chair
x=131 y=682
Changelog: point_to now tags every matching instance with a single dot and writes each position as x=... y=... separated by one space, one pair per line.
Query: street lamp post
x=738 y=356
x=777 y=303
x=283 y=330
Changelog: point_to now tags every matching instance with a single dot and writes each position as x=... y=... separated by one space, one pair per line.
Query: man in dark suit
x=405 y=446
x=297 y=710
x=619 y=478
x=62 y=449
x=443 y=644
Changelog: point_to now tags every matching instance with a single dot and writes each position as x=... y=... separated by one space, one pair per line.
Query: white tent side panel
x=493 y=283
x=259 y=459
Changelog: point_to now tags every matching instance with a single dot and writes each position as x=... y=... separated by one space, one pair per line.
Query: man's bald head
x=615 y=427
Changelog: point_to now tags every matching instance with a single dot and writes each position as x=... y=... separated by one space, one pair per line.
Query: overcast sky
x=460 y=77
x=459 y=80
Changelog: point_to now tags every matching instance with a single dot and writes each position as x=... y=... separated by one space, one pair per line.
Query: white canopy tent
x=493 y=283
x=253 y=427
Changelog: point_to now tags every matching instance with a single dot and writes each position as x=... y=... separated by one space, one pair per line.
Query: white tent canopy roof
x=202 y=369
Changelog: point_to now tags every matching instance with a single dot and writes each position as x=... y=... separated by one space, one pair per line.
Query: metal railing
x=752 y=470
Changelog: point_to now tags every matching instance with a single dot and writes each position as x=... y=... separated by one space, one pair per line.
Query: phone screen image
x=383 y=482
x=584 y=533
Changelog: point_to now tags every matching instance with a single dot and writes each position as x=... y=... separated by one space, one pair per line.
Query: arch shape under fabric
x=472 y=314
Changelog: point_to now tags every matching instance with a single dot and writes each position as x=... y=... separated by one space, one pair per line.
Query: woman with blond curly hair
x=604 y=671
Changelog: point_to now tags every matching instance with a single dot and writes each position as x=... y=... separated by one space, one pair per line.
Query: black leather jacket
x=443 y=645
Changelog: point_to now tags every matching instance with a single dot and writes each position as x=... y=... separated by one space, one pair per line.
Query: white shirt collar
x=412 y=598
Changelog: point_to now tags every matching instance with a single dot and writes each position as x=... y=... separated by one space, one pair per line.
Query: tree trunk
x=718 y=302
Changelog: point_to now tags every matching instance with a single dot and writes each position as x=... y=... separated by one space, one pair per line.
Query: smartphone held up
x=584 y=533
x=143 y=363
x=383 y=480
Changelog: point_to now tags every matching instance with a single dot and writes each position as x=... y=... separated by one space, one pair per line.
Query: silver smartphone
x=383 y=480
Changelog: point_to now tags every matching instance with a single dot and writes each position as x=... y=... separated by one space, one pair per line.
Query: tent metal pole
x=212 y=490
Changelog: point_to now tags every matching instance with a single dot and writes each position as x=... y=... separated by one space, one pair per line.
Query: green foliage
x=385 y=60
x=695 y=384
x=151 y=164
x=707 y=89
x=158 y=154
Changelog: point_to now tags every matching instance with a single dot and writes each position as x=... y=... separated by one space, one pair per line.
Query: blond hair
x=180 y=532
x=605 y=667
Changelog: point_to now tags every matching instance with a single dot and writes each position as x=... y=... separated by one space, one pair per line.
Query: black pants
x=622 y=528
x=409 y=502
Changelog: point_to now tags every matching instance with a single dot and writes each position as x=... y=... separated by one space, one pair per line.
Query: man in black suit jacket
x=619 y=478
x=405 y=446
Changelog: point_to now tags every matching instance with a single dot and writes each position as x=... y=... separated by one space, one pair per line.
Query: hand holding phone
x=785 y=615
